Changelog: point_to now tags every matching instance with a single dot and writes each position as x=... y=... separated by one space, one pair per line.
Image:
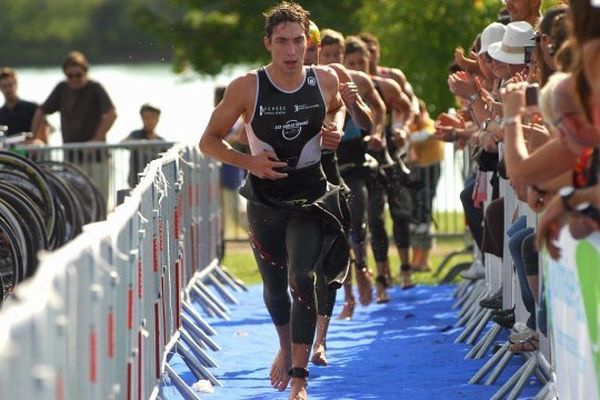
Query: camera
x=531 y=95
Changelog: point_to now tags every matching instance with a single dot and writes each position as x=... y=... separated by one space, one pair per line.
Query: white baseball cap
x=511 y=50
x=491 y=34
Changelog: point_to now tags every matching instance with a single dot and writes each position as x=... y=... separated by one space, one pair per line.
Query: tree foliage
x=419 y=37
x=212 y=34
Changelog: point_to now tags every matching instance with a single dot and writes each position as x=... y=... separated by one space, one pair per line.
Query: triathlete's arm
x=237 y=101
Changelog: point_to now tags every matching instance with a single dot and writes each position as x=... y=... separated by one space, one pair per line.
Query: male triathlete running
x=353 y=87
x=295 y=216
x=390 y=187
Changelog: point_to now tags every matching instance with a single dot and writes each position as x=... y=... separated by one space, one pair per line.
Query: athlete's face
x=311 y=57
x=332 y=53
x=287 y=46
x=357 y=62
x=374 y=55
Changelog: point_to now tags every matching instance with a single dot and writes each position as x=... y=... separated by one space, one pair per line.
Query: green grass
x=240 y=260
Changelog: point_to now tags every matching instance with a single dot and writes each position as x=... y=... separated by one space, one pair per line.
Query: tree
x=210 y=34
x=420 y=37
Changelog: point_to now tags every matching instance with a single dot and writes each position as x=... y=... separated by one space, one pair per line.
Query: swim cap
x=314 y=35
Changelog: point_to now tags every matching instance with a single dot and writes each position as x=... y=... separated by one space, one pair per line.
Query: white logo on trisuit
x=272 y=110
x=301 y=107
x=312 y=81
x=291 y=129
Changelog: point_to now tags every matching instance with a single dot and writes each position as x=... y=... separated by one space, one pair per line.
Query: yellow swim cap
x=314 y=35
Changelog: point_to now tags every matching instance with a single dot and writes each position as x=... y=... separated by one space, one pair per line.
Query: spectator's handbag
x=488 y=162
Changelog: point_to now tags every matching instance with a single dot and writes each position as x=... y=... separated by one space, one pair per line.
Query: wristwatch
x=565 y=194
x=472 y=98
x=485 y=124
x=510 y=120
x=589 y=210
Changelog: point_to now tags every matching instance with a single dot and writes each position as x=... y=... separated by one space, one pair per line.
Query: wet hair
x=284 y=12
x=149 y=108
x=329 y=37
x=584 y=26
x=219 y=94
x=369 y=38
x=354 y=44
x=7 y=72
x=76 y=59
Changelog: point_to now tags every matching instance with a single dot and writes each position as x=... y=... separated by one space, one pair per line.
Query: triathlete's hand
x=349 y=93
x=263 y=166
x=331 y=136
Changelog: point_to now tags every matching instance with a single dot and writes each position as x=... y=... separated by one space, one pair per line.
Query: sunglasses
x=75 y=75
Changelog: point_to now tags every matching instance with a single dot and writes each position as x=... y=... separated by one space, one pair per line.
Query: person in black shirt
x=297 y=219
x=139 y=158
x=16 y=114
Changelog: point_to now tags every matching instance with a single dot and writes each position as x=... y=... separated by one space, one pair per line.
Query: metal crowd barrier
x=112 y=166
x=104 y=314
x=499 y=274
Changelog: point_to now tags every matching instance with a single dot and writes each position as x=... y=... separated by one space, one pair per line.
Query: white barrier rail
x=103 y=313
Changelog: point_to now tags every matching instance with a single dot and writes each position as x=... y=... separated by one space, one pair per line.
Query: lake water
x=186 y=102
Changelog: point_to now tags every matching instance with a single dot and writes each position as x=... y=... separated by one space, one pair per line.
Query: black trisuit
x=296 y=223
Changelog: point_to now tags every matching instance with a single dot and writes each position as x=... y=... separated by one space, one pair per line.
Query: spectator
x=426 y=155
x=16 y=114
x=86 y=114
x=139 y=158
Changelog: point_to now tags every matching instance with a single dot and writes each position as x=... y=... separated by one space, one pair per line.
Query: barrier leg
x=199 y=334
x=199 y=370
x=233 y=283
x=471 y=325
x=197 y=351
x=219 y=287
x=184 y=389
x=481 y=347
x=489 y=364
x=501 y=365
x=198 y=321
x=519 y=378
x=214 y=300
x=207 y=303
x=238 y=282
x=482 y=323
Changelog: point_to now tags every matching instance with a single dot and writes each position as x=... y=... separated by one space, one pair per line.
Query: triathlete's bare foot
x=319 y=356
x=348 y=309
x=298 y=389
x=365 y=286
x=406 y=279
x=381 y=293
x=279 y=370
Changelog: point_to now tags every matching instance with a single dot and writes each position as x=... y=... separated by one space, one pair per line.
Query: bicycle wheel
x=25 y=166
x=83 y=186
x=72 y=208
x=31 y=223
x=13 y=258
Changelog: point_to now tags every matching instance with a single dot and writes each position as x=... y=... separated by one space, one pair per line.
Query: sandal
x=526 y=346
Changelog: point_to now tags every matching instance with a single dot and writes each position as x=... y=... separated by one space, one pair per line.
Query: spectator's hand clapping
x=469 y=64
x=462 y=84
x=513 y=99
